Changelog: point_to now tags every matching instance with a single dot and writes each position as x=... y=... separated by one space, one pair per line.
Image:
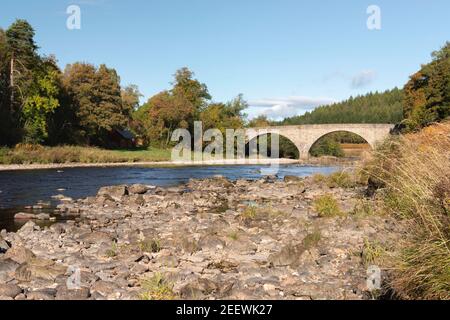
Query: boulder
x=4 y=246
x=115 y=192
x=43 y=216
x=292 y=179
x=63 y=293
x=24 y=216
x=27 y=228
x=138 y=189
x=7 y=270
x=19 y=254
x=288 y=256
x=10 y=290
x=44 y=294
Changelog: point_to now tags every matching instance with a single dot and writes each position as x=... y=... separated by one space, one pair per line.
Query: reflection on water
x=25 y=188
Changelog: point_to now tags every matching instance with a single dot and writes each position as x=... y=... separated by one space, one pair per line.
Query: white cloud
x=363 y=79
x=280 y=108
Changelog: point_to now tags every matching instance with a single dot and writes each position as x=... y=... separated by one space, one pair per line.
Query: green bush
x=327 y=206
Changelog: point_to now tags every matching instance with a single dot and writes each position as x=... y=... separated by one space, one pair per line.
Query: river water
x=19 y=189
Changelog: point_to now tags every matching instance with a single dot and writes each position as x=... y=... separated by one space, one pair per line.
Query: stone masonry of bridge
x=304 y=136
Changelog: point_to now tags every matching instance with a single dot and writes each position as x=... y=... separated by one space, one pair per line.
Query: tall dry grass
x=415 y=170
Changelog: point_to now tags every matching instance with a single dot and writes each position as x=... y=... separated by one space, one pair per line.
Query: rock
x=211 y=242
x=136 y=199
x=105 y=288
x=43 y=216
x=115 y=192
x=7 y=270
x=168 y=261
x=27 y=228
x=4 y=246
x=291 y=179
x=19 y=254
x=10 y=290
x=373 y=185
x=138 y=189
x=63 y=293
x=24 y=216
x=288 y=256
x=45 y=294
x=96 y=237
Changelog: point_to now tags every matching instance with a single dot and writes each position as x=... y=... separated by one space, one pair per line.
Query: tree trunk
x=11 y=81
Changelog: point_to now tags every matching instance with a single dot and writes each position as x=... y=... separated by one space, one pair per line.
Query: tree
x=259 y=122
x=167 y=112
x=192 y=90
x=130 y=98
x=5 y=116
x=427 y=94
x=42 y=101
x=96 y=99
x=224 y=116
x=22 y=56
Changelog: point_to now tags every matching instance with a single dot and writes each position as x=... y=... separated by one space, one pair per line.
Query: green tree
x=5 y=116
x=167 y=113
x=19 y=63
x=96 y=99
x=42 y=101
x=259 y=122
x=191 y=89
x=130 y=99
x=224 y=116
x=327 y=146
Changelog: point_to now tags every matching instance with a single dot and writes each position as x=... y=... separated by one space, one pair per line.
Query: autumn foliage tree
x=427 y=94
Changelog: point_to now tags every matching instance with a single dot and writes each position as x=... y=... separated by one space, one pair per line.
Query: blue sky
x=285 y=56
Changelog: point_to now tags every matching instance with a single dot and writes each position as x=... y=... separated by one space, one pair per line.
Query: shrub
x=151 y=245
x=157 y=288
x=372 y=252
x=250 y=212
x=327 y=206
x=341 y=180
x=312 y=240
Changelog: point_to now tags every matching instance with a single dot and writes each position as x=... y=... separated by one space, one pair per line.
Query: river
x=19 y=189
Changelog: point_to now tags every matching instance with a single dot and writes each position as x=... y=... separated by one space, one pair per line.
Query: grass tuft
x=157 y=288
x=327 y=206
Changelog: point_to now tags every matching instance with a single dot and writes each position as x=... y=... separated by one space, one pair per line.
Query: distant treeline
x=384 y=107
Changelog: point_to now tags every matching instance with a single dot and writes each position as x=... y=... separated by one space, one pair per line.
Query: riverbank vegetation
x=414 y=170
x=36 y=154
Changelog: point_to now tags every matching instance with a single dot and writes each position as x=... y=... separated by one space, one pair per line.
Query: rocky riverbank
x=207 y=239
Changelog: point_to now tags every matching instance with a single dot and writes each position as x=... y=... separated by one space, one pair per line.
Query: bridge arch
x=330 y=134
x=295 y=153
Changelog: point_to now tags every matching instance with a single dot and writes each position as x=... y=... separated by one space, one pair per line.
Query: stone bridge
x=304 y=136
